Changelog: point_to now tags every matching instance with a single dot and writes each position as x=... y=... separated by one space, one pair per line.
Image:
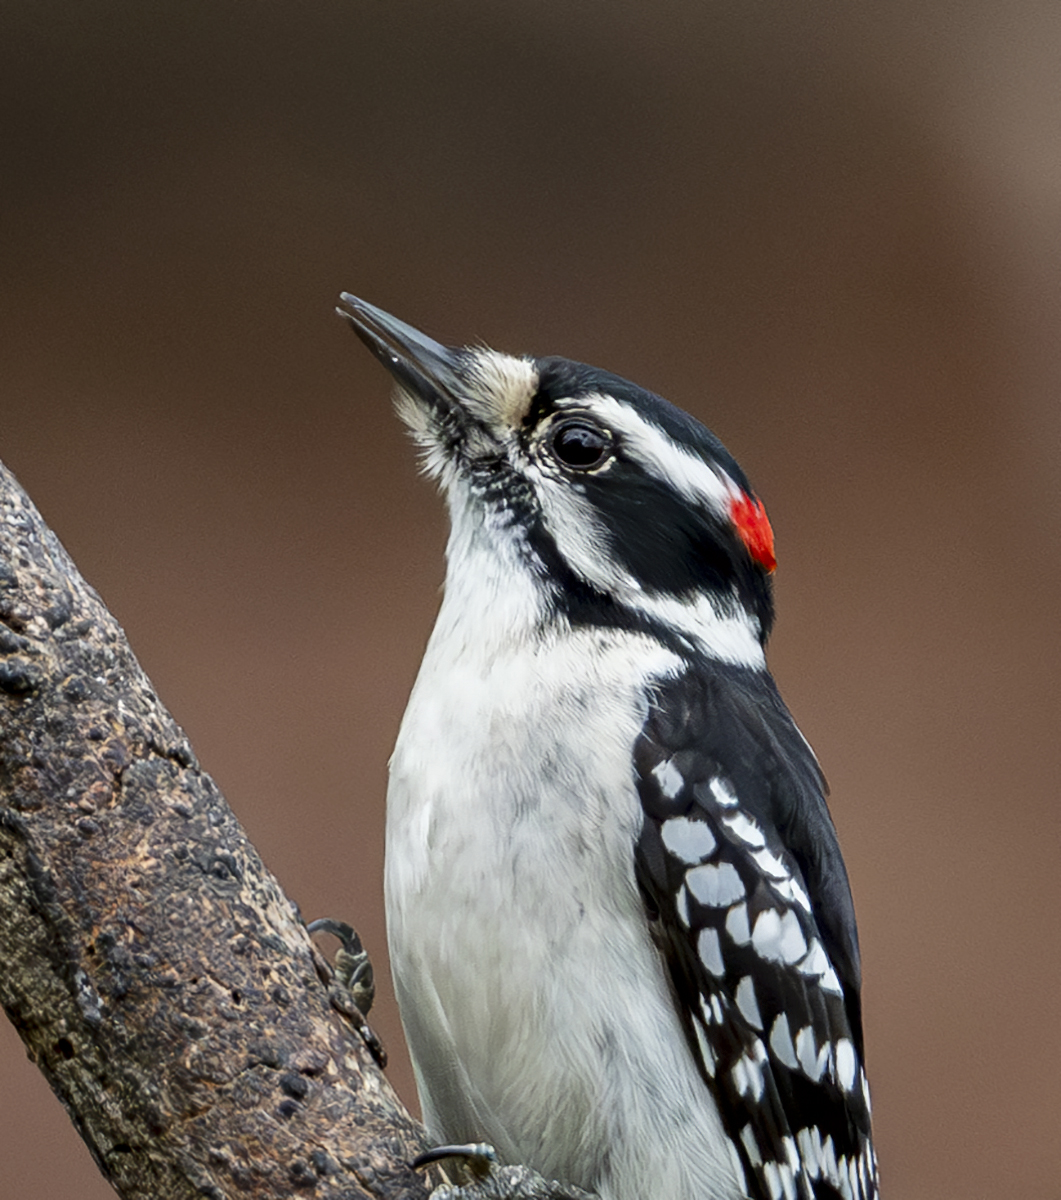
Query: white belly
x=536 y=1007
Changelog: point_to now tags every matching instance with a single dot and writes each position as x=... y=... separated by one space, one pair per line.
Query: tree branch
x=156 y=972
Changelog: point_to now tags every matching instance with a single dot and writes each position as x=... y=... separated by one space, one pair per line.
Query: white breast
x=536 y=1007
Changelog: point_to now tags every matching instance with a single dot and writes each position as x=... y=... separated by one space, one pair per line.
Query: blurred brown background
x=832 y=230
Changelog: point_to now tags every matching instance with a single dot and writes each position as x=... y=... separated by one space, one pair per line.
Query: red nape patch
x=751 y=522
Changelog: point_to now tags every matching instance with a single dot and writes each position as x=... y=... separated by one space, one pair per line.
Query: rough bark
x=153 y=967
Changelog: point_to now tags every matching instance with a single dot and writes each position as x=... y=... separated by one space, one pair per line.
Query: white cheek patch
x=733 y=638
x=580 y=536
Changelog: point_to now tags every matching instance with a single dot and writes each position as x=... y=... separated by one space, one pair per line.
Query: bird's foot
x=472 y=1172
x=353 y=970
x=352 y=987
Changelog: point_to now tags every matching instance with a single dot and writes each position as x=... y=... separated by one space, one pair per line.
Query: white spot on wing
x=781 y=1042
x=791 y=1153
x=793 y=944
x=748 y=1077
x=816 y=962
x=690 y=841
x=830 y=983
x=669 y=778
x=844 y=1166
x=771 y=864
x=710 y=952
x=845 y=1064
x=715 y=886
x=777 y=937
x=791 y=891
x=772 y=1178
x=812 y=1061
x=745 y=828
x=788 y=1183
x=681 y=904
x=737 y=924
x=829 y=1166
x=747 y=1003
x=747 y=1136
x=722 y=792
x=810 y=1146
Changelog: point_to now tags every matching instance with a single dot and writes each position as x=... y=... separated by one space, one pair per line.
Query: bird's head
x=624 y=510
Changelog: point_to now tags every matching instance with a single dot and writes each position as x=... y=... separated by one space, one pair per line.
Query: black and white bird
x=620 y=925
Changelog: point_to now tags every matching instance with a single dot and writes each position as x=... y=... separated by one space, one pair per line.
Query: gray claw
x=488 y=1180
x=352 y=988
x=353 y=970
x=478 y=1157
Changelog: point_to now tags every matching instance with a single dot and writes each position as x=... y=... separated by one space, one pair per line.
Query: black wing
x=740 y=868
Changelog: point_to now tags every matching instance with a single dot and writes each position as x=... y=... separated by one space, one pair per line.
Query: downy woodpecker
x=620 y=927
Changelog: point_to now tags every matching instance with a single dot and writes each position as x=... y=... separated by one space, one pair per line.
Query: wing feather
x=742 y=876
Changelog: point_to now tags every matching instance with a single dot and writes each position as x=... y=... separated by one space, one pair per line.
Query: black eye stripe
x=579 y=443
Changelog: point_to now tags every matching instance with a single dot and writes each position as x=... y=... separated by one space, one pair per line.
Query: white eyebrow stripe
x=665 y=457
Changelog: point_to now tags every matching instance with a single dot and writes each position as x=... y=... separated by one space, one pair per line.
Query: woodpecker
x=620 y=926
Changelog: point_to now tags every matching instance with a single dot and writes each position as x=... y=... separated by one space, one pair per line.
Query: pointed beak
x=425 y=368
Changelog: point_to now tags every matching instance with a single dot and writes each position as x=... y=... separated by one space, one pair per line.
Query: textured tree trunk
x=156 y=972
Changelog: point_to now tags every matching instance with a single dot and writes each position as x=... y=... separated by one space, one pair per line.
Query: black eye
x=580 y=444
